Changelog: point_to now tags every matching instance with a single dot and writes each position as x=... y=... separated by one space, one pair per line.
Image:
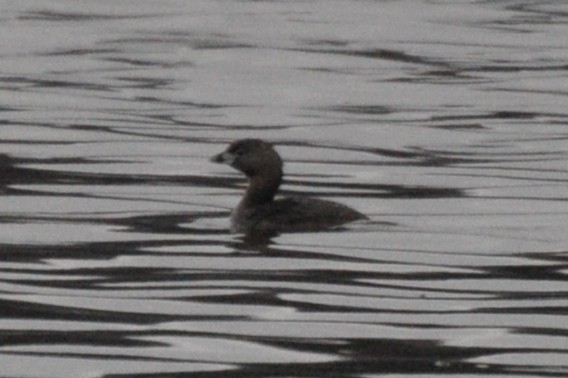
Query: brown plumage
x=259 y=211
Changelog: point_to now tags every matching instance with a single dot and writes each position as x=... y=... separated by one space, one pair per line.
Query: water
x=444 y=122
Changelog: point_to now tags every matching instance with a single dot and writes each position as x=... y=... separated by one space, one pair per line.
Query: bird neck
x=262 y=189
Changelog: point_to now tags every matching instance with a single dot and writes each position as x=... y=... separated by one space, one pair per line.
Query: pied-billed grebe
x=259 y=211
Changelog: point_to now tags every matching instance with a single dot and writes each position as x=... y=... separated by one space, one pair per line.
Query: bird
x=260 y=210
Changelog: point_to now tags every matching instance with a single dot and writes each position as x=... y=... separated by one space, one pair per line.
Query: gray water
x=445 y=122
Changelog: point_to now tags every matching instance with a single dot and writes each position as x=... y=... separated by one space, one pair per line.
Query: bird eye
x=239 y=153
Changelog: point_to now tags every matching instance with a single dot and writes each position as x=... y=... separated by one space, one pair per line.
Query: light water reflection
x=444 y=123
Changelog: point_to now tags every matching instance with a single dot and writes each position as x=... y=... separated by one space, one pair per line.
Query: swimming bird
x=259 y=210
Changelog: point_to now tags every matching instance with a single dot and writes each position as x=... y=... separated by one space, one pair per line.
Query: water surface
x=446 y=123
